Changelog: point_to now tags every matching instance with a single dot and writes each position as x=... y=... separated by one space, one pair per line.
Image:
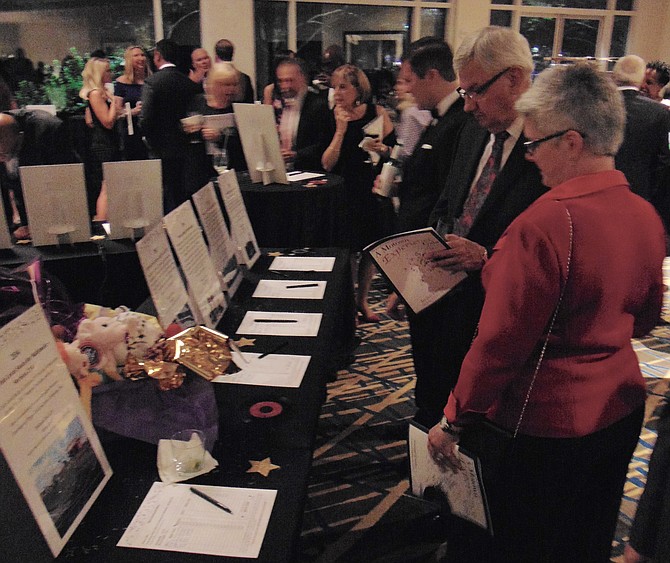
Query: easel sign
x=134 y=195
x=55 y=197
x=205 y=288
x=260 y=142
x=57 y=462
x=240 y=225
x=222 y=249
x=164 y=279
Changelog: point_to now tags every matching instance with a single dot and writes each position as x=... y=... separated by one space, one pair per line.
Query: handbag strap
x=551 y=326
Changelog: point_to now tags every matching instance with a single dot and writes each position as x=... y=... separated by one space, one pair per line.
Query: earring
x=357 y=103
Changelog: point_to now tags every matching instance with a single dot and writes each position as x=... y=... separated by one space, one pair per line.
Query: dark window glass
x=540 y=35
x=271 y=23
x=433 y=22
x=624 y=5
x=588 y=4
x=502 y=18
x=506 y=2
x=619 y=36
x=579 y=38
x=181 y=21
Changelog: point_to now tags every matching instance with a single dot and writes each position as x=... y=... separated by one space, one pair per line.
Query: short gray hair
x=577 y=97
x=495 y=48
x=629 y=70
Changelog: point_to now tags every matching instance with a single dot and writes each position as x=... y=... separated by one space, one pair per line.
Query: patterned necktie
x=481 y=189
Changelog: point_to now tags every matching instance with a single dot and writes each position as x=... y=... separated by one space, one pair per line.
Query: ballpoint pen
x=210 y=500
x=302 y=285
x=275 y=320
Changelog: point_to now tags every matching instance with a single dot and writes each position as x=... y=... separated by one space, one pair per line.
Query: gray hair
x=577 y=97
x=629 y=70
x=495 y=48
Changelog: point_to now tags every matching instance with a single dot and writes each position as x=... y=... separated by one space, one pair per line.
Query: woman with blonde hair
x=128 y=87
x=221 y=143
x=104 y=145
x=370 y=216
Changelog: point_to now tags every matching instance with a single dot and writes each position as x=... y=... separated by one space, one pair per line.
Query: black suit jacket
x=45 y=141
x=441 y=335
x=425 y=171
x=246 y=89
x=644 y=155
x=166 y=96
x=311 y=139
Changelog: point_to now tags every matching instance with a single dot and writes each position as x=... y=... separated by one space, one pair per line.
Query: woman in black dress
x=369 y=216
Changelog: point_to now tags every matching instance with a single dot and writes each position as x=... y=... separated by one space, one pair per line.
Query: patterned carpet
x=358 y=507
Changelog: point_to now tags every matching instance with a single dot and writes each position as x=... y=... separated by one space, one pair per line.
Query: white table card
x=45 y=436
x=173 y=518
x=303 y=263
x=279 y=323
x=164 y=280
x=290 y=289
x=134 y=195
x=240 y=225
x=204 y=285
x=221 y=246
x=55 y=198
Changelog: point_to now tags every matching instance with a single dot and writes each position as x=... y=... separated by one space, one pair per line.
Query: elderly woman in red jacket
x=590 y=237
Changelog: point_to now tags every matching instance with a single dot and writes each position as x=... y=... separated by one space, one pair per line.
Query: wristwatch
x=450 y=428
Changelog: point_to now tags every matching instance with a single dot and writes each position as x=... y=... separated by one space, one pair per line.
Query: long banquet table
x=287 y=439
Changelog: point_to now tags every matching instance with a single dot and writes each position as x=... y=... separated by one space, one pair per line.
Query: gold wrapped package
x=205 y=351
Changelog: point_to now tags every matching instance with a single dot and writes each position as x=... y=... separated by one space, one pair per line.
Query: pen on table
x=302 y=285
x=278 y=273
x=274 y=350
x=210 y=500
x=275 y=320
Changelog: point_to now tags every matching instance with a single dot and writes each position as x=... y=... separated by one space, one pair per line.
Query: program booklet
x=463 y=489
x=401 y=260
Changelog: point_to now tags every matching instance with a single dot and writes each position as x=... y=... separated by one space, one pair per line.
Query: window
x=567 y=28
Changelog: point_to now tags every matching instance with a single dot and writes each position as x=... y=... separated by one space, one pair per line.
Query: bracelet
x=449 y=428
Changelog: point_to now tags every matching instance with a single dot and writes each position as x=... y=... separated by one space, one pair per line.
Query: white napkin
x=166 y=468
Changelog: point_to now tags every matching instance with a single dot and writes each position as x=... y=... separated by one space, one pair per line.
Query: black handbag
x=486 y=440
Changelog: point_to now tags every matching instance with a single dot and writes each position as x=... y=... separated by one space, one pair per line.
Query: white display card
x=222 y=249
x=134 y=196
x=240 y=225
x=164 y=280
x=55 y=198
x=204 y=285
x=47 y=439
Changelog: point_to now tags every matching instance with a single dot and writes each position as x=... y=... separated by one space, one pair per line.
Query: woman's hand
x=442 y=448
x=137 y=109
x=630 y=555
x=462 y=255
x=342 y=118
x=210 y=134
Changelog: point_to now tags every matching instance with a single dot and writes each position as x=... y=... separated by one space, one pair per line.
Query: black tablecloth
x=294 y=216
x=287 y=439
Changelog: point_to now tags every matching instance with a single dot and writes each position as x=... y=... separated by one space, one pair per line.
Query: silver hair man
x=580 y=98
x=629 y=71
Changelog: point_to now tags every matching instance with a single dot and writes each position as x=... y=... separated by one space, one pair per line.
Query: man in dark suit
x=644 y=155
x=301 y=131
x=165 y=98
x=28 y=138
x=489 y=184
x=225 y=50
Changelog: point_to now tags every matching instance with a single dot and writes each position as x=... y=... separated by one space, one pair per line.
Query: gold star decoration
x=242 y=342
x=263 y=467
x=275 y=253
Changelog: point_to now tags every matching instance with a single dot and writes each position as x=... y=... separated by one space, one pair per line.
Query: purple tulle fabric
x=140 y=410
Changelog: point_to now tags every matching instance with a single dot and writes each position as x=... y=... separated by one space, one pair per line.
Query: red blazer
x=589 y=377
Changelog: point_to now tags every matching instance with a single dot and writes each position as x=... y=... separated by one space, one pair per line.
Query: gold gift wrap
x=203 y=350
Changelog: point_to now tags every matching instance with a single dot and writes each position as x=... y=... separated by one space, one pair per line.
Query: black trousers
x=557 y=500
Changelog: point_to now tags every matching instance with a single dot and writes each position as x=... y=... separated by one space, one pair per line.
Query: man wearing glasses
x=489 y=184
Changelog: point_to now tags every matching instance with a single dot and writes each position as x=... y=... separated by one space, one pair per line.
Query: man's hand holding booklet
x=402 y=260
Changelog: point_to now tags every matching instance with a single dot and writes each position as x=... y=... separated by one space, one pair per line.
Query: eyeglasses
x=480 y=90
x=531 y=146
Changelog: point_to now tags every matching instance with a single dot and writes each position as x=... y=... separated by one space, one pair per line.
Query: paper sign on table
x=280 y=323
x=303 y=263
x=274 y=370
x=204 y=285
x=172 y=518
x=46 y=437
x=290 y=289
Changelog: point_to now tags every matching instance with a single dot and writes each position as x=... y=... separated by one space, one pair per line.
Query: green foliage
x=62 y=83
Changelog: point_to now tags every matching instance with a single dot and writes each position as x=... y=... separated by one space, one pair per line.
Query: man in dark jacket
x=165 y=98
